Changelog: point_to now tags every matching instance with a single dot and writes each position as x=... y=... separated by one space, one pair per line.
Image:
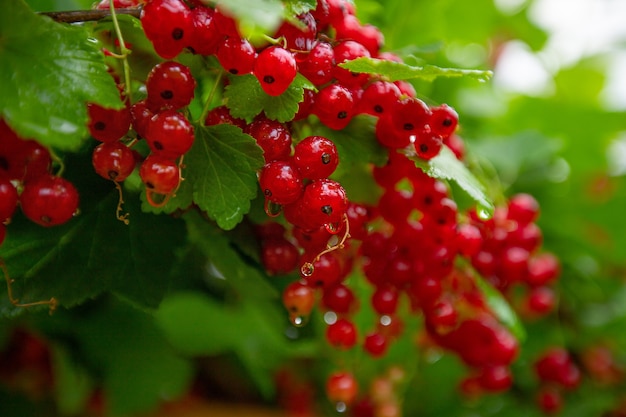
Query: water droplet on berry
x=341 y=407
x=483 y=213
x=298 y=320
x=272 y=209
x=307 y=269
x=332 y=228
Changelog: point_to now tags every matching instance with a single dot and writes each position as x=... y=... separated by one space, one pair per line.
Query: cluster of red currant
x=557 y=372
x=26 y=179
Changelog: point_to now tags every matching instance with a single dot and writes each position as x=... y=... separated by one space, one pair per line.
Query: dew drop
x=307 y=269
x=272 y=209
x=332 y=228
x=483 y=213
x=298 y=320
x=341 y=407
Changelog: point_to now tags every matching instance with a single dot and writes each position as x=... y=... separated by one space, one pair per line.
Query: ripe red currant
x=49 y=200
x=113 y=161
x=275 y=68
x=167 y=24
x=170 y=85
x=281 y=182
x=236 y=55
x=315 y=157
x=170 y=134
x=108 y=125
x=160 y=175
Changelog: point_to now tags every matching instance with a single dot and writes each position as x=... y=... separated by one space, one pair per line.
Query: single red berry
x=272 y=136
x=495 y=378
x=49 y=200
x=342 y=387
x=542 y=269
x=348 y=50
x=279 y=256
x=443 y=120
x=338 y=298
x=319 y=64
x=550 y=400
x=523 y=208
x=275 y=68
x=113 y=161
x=367 y=35
x=385 y=300
x=170 y=134
x=204 y=36
x=315 y=157
x=427 y=144
x=170 y=85
x=378 y=98
x=168 y=25
x=375 y=344
x=159 y=174
x=327 y=271
x=140 y=116
x=334 y=106
x=281 y=182
x=299 y=299
x=221 y=115
x=108 y=125
x=8 y=198
x=541 y=300
x=324 y=202
x=341 y=334
x=410 y=116
x=301 y=35
x=236 y=55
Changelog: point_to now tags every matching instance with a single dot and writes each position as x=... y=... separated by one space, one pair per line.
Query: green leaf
x=395 y=71
x=73 y=384
x=93 y=252
x=255 y=18
x=42 y=64
x=447 y=167
x=246 y=99
x=501 y=308
x=225 y=263
x=139 y=368
x=222 y=166
x=296 y=7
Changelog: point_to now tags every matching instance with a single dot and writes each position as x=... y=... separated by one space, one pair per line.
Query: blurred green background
x=552 y=123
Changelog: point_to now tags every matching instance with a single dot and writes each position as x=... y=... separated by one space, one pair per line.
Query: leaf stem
x=123 y=51
x=207 y=103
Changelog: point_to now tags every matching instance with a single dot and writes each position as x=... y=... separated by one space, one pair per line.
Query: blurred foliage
x=554 y=146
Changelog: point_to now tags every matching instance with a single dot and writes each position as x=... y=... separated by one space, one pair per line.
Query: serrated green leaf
x=296 y=7
x=395 y=71
x=501 y=308
x=222 y=166
x=42 y=63
x=246 y=99
x=447 y=167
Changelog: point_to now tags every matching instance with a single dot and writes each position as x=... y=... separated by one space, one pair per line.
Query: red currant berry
x=346 y=51
x=334 y=106
x=341 y=334
x=468 y=239
x=541 y=300
x=299 y=300
x=523 y=208
x=279 y=256
x=327 y=271
x=324 y=202
x=221 y=115
x=49 y=200
x=378 y=98
x=319 y=64
x=409 y=116
x=281 y=182
x=204 y=37
x=272 y=136
x=375 y=344
x=170 y=134
x=550 y=400
x=299 y=36
x=542 y=269
x=140 y=116
x=385 y=300
x=160 y=175
x=315 y=157
x=275 y=68
x=342 y=387
x=108 y=125
x=113 y=161
x=427 y=144
x=496 y=378
x=338 y=298
x=170 y=85
x=8 y=198
x=443 y=120
x=167 y=24
x=236 y=55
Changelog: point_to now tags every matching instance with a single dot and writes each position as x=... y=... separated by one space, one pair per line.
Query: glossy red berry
x=385 y=300
x=204 y=36
x=542 y=269
x=342 y=387
x=341 y=334
x=275 y=68
x=523 y=208
x=348 y=50
x=49 y=200
x=327 y=271
x=375 y=344
x=140 y=116
x=324 y=202
x=159 y=174
x=427 y=144
x=334 y=106
x=170 y=85
x=167 y=24
x=299 y=300
x=378 y=98
x=221 y=115
x=299 y=36
x=315 y=157
x=236 y=55
x=338 y=298
x=170 y=134
x=279 y=256
x=8 y=198
x=319 y=64
x=108 y=125
x=113 y=161
x=272 y=136
x=443 y=120
x=281 y=182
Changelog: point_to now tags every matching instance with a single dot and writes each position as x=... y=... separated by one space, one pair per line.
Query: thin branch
x=73 y=16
